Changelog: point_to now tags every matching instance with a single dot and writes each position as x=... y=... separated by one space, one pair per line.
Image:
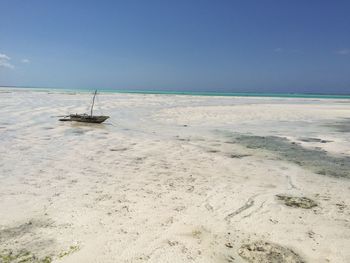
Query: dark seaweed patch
x=298 y=202
x=183 y=140
x=13 y=232
x=317 y=160
x=342 y=126
x=118 y=149
x=239 y=156
x=266 y=252
x=313 y=140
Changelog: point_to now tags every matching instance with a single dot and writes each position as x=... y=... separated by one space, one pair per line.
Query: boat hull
x=85 y=118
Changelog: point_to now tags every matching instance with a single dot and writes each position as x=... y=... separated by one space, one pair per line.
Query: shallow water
x=73 y=91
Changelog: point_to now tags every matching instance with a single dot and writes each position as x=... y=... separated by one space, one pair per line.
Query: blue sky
x=196 y=45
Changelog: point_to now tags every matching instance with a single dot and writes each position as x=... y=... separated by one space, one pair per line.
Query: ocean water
x=198 y=93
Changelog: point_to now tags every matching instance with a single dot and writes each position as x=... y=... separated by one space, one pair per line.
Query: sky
x=185 y=45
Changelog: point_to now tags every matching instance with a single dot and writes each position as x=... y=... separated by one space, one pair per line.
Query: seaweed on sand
x=22 y=229
x=295 y=201
x=266 y=252
x=24 y=256
x=319 y=161
x=71 y=250
x=342 y=126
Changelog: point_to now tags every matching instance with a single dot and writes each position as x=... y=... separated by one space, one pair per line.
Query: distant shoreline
x=192 y=93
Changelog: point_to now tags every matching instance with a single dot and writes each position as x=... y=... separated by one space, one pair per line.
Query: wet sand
x=173 y=178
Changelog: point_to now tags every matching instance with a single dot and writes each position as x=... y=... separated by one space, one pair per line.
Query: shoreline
x=189 y=93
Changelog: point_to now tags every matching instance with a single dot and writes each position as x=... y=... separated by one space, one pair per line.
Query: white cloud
x=25 y=61
x=344 y=51
x=5 y=61
x=3 y=56
x=278 y=49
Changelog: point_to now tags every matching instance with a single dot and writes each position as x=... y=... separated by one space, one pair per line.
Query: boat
x=89 y=118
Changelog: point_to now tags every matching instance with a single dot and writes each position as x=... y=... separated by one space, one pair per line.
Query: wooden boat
x=84 y=118
x=90 y=118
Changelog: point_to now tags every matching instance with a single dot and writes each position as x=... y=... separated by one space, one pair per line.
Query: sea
x=191 y=93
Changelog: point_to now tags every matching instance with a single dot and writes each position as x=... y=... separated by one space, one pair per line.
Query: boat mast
x=93 y=101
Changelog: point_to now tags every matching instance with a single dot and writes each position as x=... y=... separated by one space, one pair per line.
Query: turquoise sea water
x=197 y=93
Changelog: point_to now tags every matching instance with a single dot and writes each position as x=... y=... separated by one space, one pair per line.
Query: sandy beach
x=171 y=178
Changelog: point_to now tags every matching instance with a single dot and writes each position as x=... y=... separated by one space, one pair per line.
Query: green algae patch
x=21 y=256
x=298 y=202
x=70 y=251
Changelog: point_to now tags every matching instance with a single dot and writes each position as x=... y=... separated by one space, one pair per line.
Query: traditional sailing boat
x=86 y=117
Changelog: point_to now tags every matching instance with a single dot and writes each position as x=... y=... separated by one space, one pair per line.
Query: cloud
x=344 y=51
x=25 y=61
x=278 y=49
x=5 y=57
x=5 y=61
